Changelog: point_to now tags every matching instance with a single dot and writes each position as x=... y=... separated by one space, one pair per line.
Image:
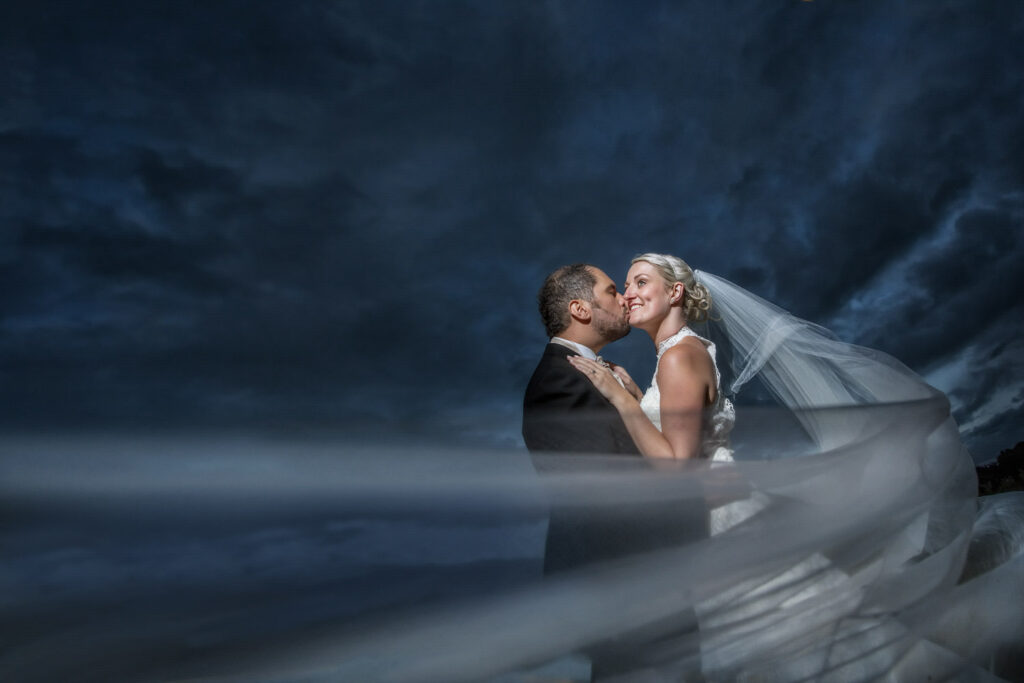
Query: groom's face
x=610 y=316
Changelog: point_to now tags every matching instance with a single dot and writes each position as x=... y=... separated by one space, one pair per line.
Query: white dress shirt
x=584 y=351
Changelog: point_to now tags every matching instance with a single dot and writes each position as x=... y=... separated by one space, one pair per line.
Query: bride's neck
x=669 y=325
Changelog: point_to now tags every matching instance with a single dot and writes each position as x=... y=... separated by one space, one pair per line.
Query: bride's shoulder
x=688 y=355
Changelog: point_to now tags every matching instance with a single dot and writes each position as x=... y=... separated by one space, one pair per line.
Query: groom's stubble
x=609 y=325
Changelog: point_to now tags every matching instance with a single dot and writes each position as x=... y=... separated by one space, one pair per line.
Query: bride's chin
x=636 y=321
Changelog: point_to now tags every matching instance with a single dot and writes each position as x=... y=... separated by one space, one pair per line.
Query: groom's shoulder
x=553 y=350
x=554 y=359
x=553 y=371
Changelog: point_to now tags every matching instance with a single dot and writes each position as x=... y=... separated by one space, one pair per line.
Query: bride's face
x=648 y=297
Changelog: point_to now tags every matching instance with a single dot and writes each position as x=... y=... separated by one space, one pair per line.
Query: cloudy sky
x=336 y=215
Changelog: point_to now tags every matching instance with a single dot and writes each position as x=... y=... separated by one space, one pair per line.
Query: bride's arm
x=682 y=402
x=683 y=376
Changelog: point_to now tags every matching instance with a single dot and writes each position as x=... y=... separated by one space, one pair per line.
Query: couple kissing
x=576 y=402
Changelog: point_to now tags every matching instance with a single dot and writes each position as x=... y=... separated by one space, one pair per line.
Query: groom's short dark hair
x=562 y=286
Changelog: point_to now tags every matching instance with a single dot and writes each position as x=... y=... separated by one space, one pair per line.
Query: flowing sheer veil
x=806 y=368
x=870 y=557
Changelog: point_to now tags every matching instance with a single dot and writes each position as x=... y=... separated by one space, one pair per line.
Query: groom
x=562 y=411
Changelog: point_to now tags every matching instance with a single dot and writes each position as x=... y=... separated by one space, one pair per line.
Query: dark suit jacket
x=562 y=411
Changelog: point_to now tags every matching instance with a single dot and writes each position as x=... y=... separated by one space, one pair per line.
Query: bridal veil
x=225 y=560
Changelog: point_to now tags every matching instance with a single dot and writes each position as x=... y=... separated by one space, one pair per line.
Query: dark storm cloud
x=960 y=287
x=958 y=301
x=327 y=214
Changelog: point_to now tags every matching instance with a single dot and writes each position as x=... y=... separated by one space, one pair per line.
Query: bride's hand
x=601 y=377
x=627 y=381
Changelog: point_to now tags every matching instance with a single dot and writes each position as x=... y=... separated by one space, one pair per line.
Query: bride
x=887 y=477
x=684 y=414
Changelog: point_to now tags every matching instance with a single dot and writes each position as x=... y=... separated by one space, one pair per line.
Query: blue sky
x=335 y=216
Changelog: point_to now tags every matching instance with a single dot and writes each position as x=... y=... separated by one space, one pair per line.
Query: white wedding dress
x=719 y=418
x=717 y=423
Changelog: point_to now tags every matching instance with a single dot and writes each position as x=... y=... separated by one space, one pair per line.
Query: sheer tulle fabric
x=869 y=557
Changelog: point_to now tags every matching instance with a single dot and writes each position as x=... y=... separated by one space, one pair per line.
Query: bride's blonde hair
x=672 y=269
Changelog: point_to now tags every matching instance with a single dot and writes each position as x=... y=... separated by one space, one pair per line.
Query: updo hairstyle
x=697 y=299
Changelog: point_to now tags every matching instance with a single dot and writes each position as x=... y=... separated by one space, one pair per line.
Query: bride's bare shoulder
x=689 y=354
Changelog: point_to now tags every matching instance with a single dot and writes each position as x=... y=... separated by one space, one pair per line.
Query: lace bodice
x=719 y=417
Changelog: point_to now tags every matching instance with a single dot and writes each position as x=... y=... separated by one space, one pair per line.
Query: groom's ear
x=579 y=310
